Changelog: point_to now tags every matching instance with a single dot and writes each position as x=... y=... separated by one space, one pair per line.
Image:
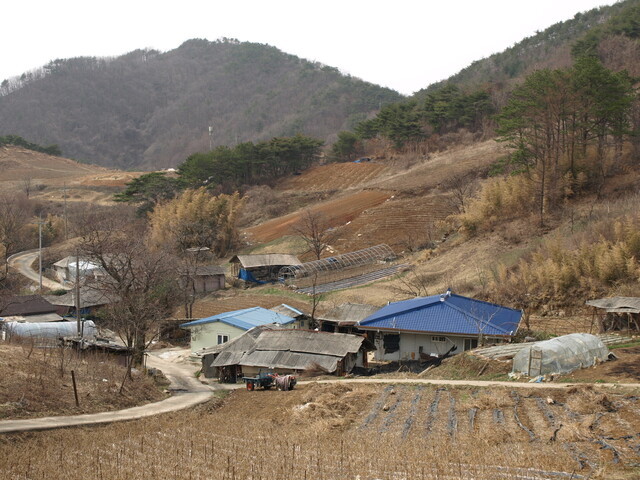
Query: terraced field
x=337 y=212
x=335 y=176
x=396 y=222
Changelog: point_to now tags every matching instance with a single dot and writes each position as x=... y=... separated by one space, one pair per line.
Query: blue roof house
x=433 y=325
x=218 y=329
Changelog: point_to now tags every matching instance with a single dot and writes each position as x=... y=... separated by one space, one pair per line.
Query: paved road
x=22 y=262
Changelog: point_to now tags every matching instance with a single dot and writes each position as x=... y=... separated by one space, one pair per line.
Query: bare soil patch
x=335 y=177
x=337 y=212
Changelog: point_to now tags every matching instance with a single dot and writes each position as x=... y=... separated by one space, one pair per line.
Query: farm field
x=337 y=212
x=354 y=431
x=49 y=178
x=398 y=222
x=335 y=176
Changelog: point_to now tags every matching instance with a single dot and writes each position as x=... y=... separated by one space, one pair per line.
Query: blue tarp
x=248 y=277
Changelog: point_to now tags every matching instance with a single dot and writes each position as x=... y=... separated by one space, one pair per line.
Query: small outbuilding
x=617 y=314
x=219 y=329
x=262 y=268
x=560 y=355
x=302 y=320
x=205 y=278
x=91 y=300
x=69 y=268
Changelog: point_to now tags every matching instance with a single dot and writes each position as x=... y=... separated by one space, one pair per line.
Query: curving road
x=188 y=391
x=22 y=262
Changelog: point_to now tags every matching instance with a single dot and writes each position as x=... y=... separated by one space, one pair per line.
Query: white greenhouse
x=560 y=355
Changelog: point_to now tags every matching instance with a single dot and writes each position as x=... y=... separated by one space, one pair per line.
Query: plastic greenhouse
x=49 y=330
x=560 y=355
x=367 y=256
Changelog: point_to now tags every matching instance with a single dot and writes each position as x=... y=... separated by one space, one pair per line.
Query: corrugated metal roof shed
x=291 y=349
x=89 y=297
x=289 y=360
x=288 y=310
x=307 y=341
x=265 y=260
x=243 y=343
x=617 y=304
x=449 y=313
x=245 y=319
x=349 y=313
x=202 y=270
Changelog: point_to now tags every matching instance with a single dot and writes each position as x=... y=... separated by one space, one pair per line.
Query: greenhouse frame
x=367 y=256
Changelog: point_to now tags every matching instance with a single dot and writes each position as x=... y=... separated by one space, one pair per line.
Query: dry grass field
x=50 y=178
x=348 y=431
x=36 y=382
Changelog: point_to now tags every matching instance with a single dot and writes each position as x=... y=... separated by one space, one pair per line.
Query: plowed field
x=396 y=223
x=336 y=212
x=349 y=431
x=335 y=176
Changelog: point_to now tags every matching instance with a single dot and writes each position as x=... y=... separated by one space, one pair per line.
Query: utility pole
x=66 y=234
x=77 y=288
x=40 y=222
x=210 y=135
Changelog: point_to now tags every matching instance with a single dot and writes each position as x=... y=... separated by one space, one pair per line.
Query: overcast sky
x=402 y=44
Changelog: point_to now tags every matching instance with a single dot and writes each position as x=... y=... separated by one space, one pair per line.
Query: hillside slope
x=49 y=177
x=151 y=110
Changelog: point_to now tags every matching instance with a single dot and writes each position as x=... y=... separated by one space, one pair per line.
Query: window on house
x=470 y=343
x=223 y=339
x=391 y=343
x=439 y=339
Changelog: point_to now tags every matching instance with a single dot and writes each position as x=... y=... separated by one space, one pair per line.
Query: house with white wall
x=219 y=329
x=426 y=326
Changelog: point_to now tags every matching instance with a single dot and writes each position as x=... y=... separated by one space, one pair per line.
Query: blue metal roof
x=447 y=313
x=245 y=319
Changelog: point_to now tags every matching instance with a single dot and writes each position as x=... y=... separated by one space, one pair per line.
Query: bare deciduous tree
x=315 y=231
x=140 y=283
x=27 y=185
x=460 y=188
x=15 y=211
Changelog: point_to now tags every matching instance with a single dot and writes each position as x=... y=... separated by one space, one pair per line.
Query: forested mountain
x=148 y=109
x=551 y=48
